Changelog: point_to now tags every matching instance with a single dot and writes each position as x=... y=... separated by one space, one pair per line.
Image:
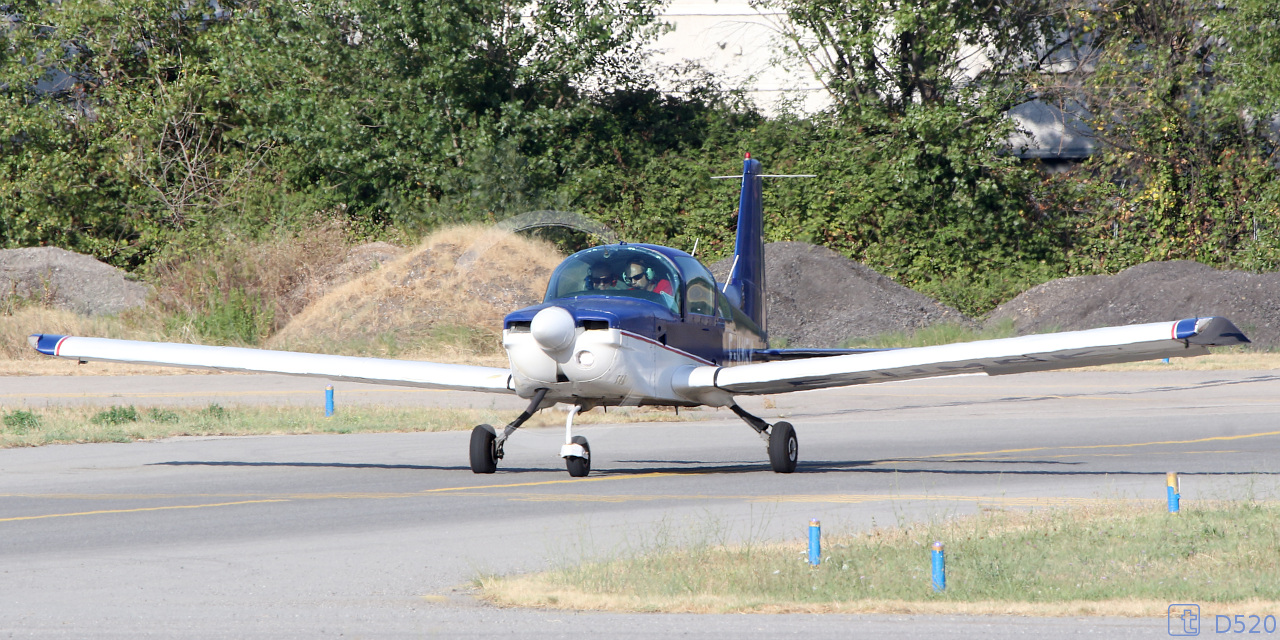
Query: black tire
x=579 y=467
x=484 y=449
x=784 y=449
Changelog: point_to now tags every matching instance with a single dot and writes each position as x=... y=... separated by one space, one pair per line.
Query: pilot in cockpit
x=639 y=276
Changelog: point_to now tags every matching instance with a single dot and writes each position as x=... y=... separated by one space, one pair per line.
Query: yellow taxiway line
x=104 y=511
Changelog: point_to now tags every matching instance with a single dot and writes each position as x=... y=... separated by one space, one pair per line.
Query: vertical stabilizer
x=746 y=279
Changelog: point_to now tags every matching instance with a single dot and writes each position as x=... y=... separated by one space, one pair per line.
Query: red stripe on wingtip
x=58 y=347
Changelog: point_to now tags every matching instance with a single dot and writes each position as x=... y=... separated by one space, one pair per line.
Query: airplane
x=642 y=324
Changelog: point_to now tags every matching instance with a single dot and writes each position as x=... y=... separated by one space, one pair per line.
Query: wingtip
x=45 y=343
x=1213 y=332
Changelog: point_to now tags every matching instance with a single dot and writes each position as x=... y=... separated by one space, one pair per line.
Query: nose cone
x=553 y=329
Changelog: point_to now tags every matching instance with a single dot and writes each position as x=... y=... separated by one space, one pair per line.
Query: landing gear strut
x=486 y=444
x=784 y=450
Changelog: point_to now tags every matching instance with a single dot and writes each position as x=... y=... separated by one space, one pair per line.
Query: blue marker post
x=815 y=542
x=939 y=568
x=328 y=401
x=1171 y=482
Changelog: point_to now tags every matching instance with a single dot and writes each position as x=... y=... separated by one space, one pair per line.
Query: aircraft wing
x=408 y=373
x=1043 y=352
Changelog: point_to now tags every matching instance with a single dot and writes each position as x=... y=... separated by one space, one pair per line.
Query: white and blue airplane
x=641 y=324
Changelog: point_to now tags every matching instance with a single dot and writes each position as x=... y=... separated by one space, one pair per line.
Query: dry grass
x=444 y=299
x=135 y=324
x=1108 y=558
x=531 y=593
x=286 y=273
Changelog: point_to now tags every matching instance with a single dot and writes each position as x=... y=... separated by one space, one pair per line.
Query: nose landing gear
x=486 y=444
x=576 y=452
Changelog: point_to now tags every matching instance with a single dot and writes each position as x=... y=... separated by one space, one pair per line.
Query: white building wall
x=739 y=45
x=736 y=43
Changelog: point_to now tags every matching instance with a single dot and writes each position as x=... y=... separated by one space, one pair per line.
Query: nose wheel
x=579 y=466
x=576 y=452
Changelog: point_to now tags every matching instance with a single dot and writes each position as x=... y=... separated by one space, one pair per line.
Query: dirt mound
x=1151 y=292
x=321 y=278
x=816 y=297
x=58 y=278
x=461 y=277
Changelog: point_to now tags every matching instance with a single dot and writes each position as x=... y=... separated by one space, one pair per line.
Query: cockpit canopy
x=627 y=271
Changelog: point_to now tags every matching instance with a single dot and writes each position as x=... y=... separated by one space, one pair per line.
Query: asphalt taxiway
x=381 y=534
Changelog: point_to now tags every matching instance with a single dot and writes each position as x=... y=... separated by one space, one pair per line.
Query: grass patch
x=1118 y=558
x=124 y=424
x=115 y=416
x=20 y=422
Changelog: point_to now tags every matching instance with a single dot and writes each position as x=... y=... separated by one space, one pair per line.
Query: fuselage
x=620 y=322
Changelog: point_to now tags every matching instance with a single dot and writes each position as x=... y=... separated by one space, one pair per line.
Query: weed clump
x=215 y=412
x=162 y=416
x=115 y=415
x=20 y=422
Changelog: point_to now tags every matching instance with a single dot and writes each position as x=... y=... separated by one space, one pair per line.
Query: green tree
x=1182 y=94
x=111 y=126
x=388 y=106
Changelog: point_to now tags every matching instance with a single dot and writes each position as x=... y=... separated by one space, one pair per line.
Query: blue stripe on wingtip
x=1185 y=329
x=47 y=344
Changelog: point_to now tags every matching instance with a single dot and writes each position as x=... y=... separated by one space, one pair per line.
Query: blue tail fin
x=746 y=280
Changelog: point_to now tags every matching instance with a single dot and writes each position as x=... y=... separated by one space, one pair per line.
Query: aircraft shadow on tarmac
x=701 y=467
x=704 y=467
x=336 y=465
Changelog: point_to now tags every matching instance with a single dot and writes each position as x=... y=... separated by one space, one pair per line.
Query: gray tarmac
x=382 y=534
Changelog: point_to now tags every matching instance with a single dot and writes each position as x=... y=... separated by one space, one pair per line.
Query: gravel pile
x=1151 y=292
x=816 y=297
x=59 y=278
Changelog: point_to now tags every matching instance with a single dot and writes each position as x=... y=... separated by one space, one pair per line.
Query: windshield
x=632 y=272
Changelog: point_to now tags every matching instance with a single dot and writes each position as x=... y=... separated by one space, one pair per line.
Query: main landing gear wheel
x=579 y=466
x=784 y=450
x=484 y=449
x=486 y=444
